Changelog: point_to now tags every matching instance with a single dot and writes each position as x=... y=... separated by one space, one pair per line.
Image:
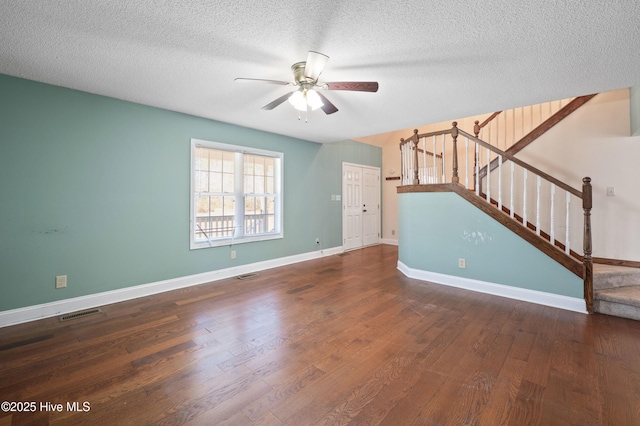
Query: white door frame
x=354 y=215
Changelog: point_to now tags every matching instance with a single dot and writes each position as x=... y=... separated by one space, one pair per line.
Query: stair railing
x=545 y=118
x=421 y=163
x=536 y=200
x=503 y=129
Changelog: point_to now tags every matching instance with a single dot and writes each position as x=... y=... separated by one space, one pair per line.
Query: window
x=236 y=194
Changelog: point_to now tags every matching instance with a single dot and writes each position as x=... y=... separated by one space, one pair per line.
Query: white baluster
x=539 y=183
x=497 y=145
x=511 y=202
x=539 y=116
x=506 y=126
x=444 y=178
x=406 y=164
x=466 y=162
x=488 y=175
x=424 y=160
x=513 y=128
x=407 y=158
x=567 y=247
x=477 y=171
x=531 y=122
x=410 y=162
x=524 y=198
x=435 y=164
x=500 y=182
x=402 y=163
x=552 y=215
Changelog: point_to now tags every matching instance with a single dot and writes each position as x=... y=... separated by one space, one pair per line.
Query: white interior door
x=371 y=206
x=360 y=206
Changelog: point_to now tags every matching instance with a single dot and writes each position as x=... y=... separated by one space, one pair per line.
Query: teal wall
x=98 y=189
x=634 y=93
x=436 y=229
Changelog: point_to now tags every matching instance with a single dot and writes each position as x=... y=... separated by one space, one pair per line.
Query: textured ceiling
x=434 y=60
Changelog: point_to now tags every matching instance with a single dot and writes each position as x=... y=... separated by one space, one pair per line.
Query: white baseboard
x=45 y=310
x=389 y=241
x=532 y=296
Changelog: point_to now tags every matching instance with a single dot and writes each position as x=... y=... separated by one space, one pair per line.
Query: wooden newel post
x=416 y=169
x=587 y=202
x=454 y=135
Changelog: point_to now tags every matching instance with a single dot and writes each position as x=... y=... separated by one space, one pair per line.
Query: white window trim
x=236 y=239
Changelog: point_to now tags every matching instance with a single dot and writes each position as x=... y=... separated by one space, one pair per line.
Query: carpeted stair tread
x=609 y=276
x=625 y=295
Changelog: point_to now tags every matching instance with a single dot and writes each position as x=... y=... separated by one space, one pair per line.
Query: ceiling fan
x=307 y=96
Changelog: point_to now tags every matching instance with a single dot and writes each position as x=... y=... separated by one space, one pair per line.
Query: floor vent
x=80 y=314
x=246 y=276
x=343 y=254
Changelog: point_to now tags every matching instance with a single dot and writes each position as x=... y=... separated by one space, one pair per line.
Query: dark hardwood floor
x=340 y=340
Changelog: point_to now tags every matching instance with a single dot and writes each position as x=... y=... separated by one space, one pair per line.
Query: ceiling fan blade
x=327 y=106
x=315 y=64
x=271 y=105
x=261 y=80
x=358 y=86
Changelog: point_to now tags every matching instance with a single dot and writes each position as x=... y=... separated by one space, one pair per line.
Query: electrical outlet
x=233 y=254
x=61 y=281
x=393 y=232
x=611 y=191
x=462 y=263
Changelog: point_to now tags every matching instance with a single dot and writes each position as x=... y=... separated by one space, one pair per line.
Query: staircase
x=617 y=291
x=548 y=213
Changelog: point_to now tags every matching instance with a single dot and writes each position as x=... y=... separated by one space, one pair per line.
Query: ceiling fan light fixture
x=303 y=99
x=313 y=99
x=298 y=100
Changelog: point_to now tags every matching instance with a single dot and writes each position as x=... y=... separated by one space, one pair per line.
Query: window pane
x=228 y=165
x=248 y=184
x=259 y=185
x=215 y=182
x=201 y=159
x=248 y=164
x=259 y=165
x=270 y=164
x=202 y=205
x=215 y=160
x=270 y=186
x=271 y=205
x=228 y=184
x=216 y=205
x=249 y=203
x=201 y=182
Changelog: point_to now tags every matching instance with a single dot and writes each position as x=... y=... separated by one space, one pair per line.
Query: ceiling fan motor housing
x=298 y=73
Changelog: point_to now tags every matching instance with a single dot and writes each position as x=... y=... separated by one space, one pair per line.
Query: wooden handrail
x=560 y=115
x=424 y=135
x=487 y=121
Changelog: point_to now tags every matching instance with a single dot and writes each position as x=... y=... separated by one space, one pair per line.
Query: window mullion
x=239 y=194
